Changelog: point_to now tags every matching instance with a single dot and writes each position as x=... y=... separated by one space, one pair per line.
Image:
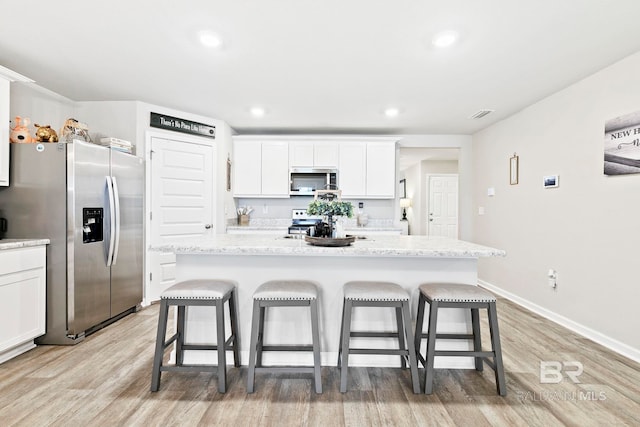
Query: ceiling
x=330 y=66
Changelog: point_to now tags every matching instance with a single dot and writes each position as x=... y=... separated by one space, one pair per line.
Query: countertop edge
x=6 y=244
x=383 y=246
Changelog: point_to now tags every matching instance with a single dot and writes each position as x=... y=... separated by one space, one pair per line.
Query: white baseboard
x=612 y=344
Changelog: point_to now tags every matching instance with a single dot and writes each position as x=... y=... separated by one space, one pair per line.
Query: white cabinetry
x=381 y=169
x=260 y=168
x=4 y=131
x=352 y=169
x=6 y=77
x=367 y=169
x=275 y=171
x=22 y=299
x=316 y=154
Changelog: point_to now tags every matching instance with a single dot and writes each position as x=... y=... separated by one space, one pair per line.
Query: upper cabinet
x=367 y=169
x=313 y=154
x=6 y=77
x=366 y=165
x=4 y=131
x=260 y=168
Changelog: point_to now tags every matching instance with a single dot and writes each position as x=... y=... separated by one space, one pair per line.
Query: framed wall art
x=550 y=181
x=513 y=169
x=622 y=145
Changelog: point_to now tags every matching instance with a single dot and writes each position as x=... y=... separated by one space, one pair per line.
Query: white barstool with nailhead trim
x=377 y=294
x=455 y=295
x=283 y=293
x=197 y=293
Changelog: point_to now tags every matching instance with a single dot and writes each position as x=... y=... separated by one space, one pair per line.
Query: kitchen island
x=251 y=260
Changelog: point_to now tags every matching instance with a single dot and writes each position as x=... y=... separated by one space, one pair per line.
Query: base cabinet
x=22 y=299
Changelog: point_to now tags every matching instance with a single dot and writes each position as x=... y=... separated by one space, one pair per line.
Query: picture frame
x=551 y=181
x=513 y=169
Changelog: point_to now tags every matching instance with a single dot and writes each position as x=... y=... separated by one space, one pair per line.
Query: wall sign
x=181 y=125
x=622 y=145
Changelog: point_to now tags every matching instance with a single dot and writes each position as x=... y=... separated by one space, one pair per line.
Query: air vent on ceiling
x=480 y=114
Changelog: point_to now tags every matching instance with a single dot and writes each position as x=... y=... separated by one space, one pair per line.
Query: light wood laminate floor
x=105 y=381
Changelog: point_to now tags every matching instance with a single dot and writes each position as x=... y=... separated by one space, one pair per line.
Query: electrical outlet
x=265 y=209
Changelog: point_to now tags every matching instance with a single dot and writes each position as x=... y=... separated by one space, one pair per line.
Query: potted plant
x=331 y=209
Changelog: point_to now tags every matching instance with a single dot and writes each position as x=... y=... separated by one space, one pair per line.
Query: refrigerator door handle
x=116 y=199
x=112 y=221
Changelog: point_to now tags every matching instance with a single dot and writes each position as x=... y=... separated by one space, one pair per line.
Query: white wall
x=40 y=105
x=587 y=229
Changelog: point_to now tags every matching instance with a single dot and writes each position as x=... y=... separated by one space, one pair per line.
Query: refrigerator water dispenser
x=92 y=225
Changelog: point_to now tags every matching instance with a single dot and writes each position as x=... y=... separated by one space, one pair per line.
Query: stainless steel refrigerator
x=88 y=200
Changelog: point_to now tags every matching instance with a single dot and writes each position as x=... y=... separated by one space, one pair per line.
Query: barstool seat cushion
x=374 y=291
x=455 y=292
x=286 y=290
x=198 y=289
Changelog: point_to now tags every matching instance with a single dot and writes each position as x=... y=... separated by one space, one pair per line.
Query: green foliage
x=333 y=208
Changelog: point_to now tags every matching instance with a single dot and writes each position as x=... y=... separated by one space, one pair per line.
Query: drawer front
x=20 y=259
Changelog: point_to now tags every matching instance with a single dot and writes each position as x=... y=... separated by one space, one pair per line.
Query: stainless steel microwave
x=305 y=181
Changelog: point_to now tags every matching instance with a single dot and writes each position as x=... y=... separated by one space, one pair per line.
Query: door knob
x=208 y=226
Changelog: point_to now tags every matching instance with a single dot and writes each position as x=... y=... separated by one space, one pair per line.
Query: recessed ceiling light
x=391 y=112
x=257 y=111
x=209 y=39
x=444 y=39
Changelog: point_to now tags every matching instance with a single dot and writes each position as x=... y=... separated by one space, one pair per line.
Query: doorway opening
x=416 y=165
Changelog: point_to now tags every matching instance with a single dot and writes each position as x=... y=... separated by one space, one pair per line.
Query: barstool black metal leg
x=419 y=325
x=222 y=353
x=315 y=333
x=233 y=320
x=413 y=362
x=497 y=349
x=345 y=338
x=477 y=338
x=180 y=339
x=431 y=347
x=160 y=343
x=401 y=336
x=263 y=310
x=255 y=320
x=344 y=302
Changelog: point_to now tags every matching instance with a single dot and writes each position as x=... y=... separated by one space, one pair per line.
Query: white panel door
x=443 y=206
x=181 y=202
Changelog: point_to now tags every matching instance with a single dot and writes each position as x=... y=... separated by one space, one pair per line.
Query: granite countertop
x=21 y=243
x=407 y=246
